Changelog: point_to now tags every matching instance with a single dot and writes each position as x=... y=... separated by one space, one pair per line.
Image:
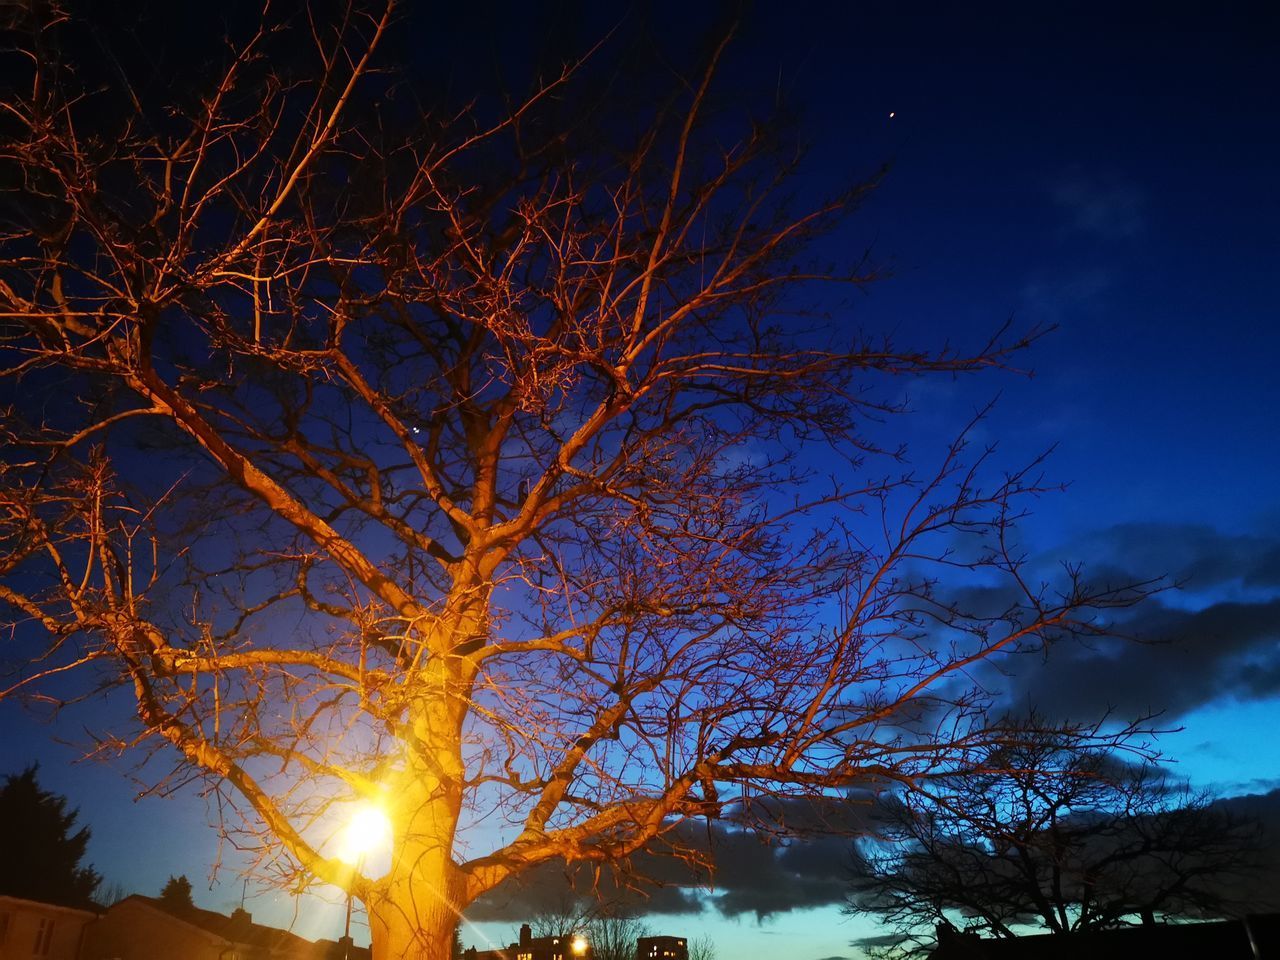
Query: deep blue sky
x=1113 y=173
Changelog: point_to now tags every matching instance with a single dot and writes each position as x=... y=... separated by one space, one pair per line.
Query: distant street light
x=579 y=946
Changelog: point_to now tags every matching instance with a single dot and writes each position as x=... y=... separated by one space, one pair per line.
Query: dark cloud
x=754 y=877
x=1254 y=785
x=1195 y=555
x=754 y=871
x=663 y=888
x=1164 y=660
x=799 y=816
x=1263 y=891
x=1187 y=658
x=1263 y=807
x=774 y=856
x=1217 y=636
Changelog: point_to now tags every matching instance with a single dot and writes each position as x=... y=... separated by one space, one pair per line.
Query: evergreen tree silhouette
x=176 y=895
x=40 y=851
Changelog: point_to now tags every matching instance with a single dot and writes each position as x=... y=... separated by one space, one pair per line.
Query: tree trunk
x=415 y=909
x=414 y=917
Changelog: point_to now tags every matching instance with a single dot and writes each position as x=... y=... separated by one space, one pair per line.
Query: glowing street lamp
x=578 y=946
x=368 y=830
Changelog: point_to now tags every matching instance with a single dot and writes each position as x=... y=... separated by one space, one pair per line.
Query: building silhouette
x=562 y=947
x=662 y=948
x=146 y=928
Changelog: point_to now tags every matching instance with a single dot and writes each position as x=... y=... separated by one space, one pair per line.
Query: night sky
x=1110 y=173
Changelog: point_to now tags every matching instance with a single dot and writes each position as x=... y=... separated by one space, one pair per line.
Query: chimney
x=241 y=924
x=526 y=934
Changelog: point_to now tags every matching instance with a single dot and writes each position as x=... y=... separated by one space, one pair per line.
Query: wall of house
x=40 y=931
x=134 y=931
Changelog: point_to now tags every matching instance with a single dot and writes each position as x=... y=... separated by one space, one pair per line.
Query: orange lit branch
x=490 y=470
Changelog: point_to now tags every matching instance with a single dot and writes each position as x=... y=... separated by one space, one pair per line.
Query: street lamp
x=368 y=830
x=578 y=946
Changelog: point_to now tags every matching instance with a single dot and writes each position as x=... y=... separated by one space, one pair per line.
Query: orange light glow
x=368 y=830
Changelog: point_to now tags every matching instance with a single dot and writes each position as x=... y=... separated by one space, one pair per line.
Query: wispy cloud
x=1063 y=296
x=1103 y=207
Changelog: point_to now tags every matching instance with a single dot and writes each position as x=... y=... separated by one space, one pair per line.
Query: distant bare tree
x=488 y=470
x=571 y=916
x=614 y=937
x=611 y=933
x=703 y=948
x=1053 y=832
x=111 y=893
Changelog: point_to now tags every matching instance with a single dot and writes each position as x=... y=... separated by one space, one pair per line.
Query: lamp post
x=346 y=927
x=366 y=831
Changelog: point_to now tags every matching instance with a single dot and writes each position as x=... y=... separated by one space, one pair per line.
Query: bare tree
x=609 y=928
x=703 y=948
x=485 y=472
x=111 y=893
x=613 y=936
x=612 y=933
x=1053 y=832
x=572 y=915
